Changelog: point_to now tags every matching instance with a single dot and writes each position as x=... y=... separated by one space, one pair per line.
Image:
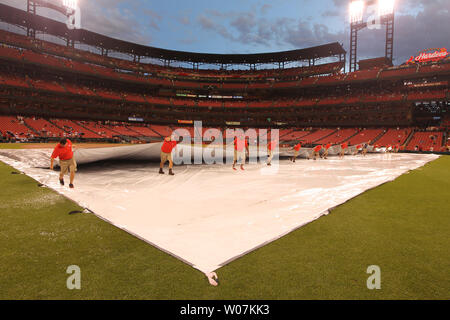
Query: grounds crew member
x=270 y=148
x=240 y=145
x=166 y=154
x=316 y=151
x=344 y=147
x=296 y=151
x=67 y=162
x=327 y=148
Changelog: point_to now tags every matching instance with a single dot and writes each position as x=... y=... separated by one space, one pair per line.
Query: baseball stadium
x=129 y=171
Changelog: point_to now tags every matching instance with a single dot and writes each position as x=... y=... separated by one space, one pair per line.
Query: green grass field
x=11 y=145
x=402 y=226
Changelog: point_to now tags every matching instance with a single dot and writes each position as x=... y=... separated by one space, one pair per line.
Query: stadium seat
x=426 y=141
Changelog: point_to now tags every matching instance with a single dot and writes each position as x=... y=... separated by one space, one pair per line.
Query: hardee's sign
x=427 y=55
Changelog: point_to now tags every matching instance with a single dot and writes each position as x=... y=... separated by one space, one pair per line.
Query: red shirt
x=63 y=152
x=272 y=145
x=328 y=146
x=344 y=146
x=240 y=144
x=298 y=147
x=318 y=148
x=168 y=146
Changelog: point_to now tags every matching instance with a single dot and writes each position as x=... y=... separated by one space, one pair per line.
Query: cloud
x=184 y=20
x=153 y=17
x=16 y=3
x=248 y=29
x=111 y=18
x=423 y=28
x=331 y=13
x=114 y=18
x=418 y=25
x=427 y=29
x=265 y=8
x=211 y=25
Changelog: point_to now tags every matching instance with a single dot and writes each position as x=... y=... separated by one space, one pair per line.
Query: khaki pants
x=166 y=157
x=66 y=165
x=239 y=154
x=270 y=156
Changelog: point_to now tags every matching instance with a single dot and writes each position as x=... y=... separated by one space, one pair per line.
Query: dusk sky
x=252 y=26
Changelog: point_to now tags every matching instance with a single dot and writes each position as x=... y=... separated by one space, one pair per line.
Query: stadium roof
x=22 y=18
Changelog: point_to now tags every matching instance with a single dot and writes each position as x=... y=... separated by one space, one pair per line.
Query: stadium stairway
x=315 y=135
x=424 y=141
x=285 y=133
x=131 y=130
x=408 y=140
x=126 y=138
x=41 y=125
x=86 y=128
x=123 y=136
x=156 y=132
x=335 y=131
x=54 y=124
x=378 y=137
x=139 y=135
x=394 y=137
x=31 y=128
x=75 y=126
x=352 y=136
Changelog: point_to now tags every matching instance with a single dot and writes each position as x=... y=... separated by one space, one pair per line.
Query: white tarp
x=209 y=215
x=151 y=152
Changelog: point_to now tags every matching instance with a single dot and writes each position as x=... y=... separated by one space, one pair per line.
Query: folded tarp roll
x=152 y=151
x=143 y=152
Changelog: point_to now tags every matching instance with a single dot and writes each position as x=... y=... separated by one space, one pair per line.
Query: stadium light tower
x=356 y=11
x=71 y=4
x=384 y=16
x=68 y=8
x=385 y=7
